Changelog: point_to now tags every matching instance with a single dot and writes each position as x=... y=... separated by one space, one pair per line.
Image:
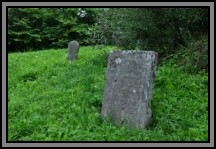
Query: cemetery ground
x=50 y=99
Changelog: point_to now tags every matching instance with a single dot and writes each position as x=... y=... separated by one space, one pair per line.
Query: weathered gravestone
x=73 y=49
x=128 y=90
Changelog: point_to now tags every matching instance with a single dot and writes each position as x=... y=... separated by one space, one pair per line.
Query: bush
x=195 y=57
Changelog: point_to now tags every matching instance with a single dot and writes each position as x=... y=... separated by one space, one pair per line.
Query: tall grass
x=50 y=99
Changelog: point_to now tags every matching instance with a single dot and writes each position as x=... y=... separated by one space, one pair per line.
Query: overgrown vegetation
x=164 y=30
x=194 y=58
x=50 y=99
x=41 y=28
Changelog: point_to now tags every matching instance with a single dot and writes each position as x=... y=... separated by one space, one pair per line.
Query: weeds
x=50 y=99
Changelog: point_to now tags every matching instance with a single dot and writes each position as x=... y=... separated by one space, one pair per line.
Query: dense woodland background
x=181 y=32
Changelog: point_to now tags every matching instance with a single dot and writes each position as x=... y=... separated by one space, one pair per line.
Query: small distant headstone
x=73 y=49
x=128 y=90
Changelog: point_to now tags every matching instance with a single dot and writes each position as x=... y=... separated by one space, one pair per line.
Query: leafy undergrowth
x=50 y=99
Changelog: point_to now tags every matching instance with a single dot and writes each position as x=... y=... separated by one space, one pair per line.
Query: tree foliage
x=40 y=28
x=164 y=30
x=152 y=28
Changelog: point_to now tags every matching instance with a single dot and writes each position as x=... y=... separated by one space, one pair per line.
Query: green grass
x=50 y=99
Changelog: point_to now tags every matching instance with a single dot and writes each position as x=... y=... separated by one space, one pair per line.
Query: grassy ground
x=50 y=99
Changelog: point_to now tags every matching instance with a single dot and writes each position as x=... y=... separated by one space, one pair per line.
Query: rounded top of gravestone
x=74 y=41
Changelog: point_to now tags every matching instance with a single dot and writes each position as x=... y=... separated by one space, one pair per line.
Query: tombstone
x=128 y=90
x=73 y=49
